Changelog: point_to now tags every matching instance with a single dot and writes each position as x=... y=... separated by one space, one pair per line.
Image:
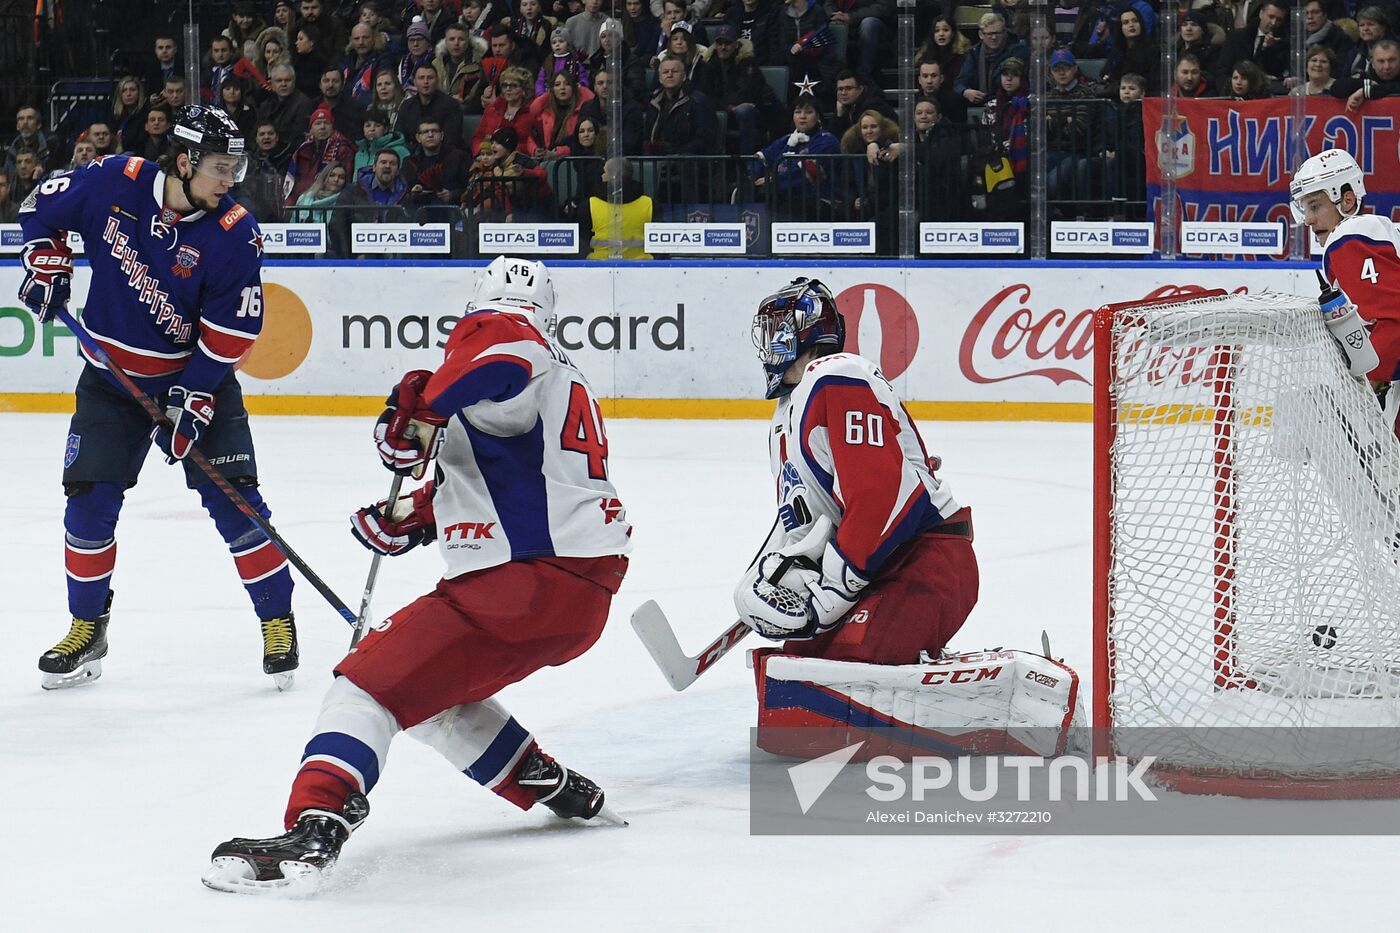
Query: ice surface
x=113 y=795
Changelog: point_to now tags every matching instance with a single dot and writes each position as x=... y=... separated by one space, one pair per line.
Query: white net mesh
x=1255 y=510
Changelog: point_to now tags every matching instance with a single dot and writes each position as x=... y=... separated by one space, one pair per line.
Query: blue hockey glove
x=190 y=413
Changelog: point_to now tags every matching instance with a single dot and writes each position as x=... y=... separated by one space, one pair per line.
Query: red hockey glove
x=408 y=433
x=393 y=529
x=48 y=277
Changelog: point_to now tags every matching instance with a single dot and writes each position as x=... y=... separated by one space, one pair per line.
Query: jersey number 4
x=583 y=431
x=1368 y=270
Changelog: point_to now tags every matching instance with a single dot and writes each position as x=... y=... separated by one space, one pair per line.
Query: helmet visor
x=220 y=166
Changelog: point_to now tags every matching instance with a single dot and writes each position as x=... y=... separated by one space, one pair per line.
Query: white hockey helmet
x=1329 y=172
x=520 y=283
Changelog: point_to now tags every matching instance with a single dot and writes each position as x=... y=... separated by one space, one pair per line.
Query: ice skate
x=77 y=659
x=280 y=655
x=569 y=794
x=295 y=862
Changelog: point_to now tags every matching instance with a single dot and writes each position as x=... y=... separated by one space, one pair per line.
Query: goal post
x=1246 y=525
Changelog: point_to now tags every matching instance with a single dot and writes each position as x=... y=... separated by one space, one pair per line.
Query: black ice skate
x=280 y=655
x=568 y=793
x=296 y=861
x=77 y=659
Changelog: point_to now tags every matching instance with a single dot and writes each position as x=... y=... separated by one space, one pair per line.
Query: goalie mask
x=800 y=317
x=517 y=283
x=1330 y=172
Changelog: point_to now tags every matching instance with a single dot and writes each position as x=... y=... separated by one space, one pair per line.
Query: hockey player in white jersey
x=534 y=538
x=869 y=570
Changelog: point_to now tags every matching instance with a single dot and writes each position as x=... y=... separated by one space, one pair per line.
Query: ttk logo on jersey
x=465 y=530
x=185 y=260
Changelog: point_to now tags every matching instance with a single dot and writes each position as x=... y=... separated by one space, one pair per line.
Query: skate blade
x=607 y=814
x=85 y=674
x=233 y=875
x=284 y=680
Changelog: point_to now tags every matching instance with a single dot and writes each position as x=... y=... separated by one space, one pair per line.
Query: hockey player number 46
x=865 y=427
x=583 y=432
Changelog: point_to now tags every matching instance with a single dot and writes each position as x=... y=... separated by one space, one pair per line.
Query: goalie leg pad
x=981 y=703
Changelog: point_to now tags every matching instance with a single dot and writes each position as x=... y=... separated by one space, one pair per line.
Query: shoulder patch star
x=806 y=85
x=257 y=243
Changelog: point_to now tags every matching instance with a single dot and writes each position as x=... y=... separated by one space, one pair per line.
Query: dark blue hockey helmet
x=789 y=322
x=207 y=130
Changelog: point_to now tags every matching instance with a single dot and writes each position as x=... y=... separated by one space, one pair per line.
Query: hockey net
x=1247 y=506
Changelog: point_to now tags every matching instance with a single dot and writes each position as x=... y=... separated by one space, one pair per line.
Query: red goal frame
x=1191 y=780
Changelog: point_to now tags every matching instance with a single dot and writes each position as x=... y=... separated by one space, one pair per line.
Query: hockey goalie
x=869 y=571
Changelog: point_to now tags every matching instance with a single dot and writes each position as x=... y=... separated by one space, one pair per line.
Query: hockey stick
x=373 y=570
x=217 y=478
x=680 y=669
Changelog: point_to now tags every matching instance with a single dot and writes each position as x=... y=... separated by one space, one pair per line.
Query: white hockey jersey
x=844 y=446
x=523 y=470
x=1362 y=258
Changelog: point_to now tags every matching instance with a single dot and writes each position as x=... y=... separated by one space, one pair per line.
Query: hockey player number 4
x=865 y=427
x=1368 y=271
x=583 y=432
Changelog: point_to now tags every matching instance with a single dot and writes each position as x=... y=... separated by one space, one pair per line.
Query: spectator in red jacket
x=510 y=108
x=323 y=146
x=555 y=118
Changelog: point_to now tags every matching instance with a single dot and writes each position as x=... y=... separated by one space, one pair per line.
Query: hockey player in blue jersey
x=175 y=301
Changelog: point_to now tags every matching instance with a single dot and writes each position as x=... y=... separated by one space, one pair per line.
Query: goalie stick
x=680 y=669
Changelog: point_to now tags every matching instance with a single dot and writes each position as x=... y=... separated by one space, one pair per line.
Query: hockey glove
x=48 y=277
x=791 y=593
x=190 y=413
x=394 y=529
x=408 y=434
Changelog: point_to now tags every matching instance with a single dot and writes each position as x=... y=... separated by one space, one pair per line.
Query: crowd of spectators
x=457 y=108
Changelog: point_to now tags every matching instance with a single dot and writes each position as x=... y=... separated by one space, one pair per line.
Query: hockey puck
x=1325 y=636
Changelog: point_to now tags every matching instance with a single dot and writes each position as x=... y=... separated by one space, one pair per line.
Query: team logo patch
x=186 y=258
x=70 y=450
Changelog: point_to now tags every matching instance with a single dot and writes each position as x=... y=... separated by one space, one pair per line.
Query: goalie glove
x=801 y=590
x=408 y=434
x=393 y=529
x=1347 y=329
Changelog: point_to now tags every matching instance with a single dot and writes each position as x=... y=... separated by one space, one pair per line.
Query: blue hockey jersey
x=174 y=299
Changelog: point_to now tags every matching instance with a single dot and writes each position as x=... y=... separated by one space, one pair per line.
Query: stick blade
x=651 y=626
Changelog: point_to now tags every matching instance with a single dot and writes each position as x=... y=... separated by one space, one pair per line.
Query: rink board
x=984 y=341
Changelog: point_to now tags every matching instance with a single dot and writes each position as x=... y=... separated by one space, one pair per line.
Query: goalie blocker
x=993 y=702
